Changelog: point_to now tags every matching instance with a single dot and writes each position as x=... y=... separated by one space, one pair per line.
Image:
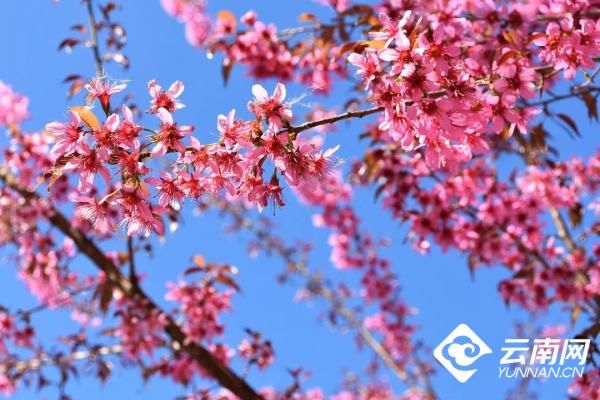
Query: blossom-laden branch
x=225 y=376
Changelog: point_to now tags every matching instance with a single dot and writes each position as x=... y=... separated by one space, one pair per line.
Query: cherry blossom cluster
x=191 y=13
x=256 y=350
x=141 y=333
x=496 y=222
x=370 y=392
x=200 y=323
x=357 y=391
x=44 y=257
x=449 y=81
x=354 y=249
x=13 y=106
x=569 y=48
x=140 y=329
x=262 y=48
x=258 y=47
x=90 y=150
x=183 y=369
x=587 y=387
x=12 y=336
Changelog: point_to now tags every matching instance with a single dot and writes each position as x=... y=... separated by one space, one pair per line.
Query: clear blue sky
x=439 y=285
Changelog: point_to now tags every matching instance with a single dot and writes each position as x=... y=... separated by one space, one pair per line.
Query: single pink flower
x=169 y=189
x=101 y=89
x=97 y=213
x=70 y=134
x=128 y=131
x=165 y=99
x=272 y=107
x=169 y=135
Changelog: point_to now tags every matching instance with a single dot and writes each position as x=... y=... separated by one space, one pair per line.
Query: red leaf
x=226 y=72
x=79 y=28
x=569 y=121
x=72 y=77
x=68 y=43
x=591 y=104
x=307 y=17
x=75 y=88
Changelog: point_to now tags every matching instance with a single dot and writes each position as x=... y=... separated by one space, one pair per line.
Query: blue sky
x=438 y=285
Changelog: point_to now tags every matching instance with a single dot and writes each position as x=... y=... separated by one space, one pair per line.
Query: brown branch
x=593 y=13
x=563 y=229
x=579 y=90
x=225 y=376
x=286 y=34
x=294 y=130
x=94 y=38
x=131 y=255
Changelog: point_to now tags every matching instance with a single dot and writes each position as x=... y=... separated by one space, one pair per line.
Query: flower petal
x=175 y=89
x=154 y=88
x=165 y=116
x=279 y=94
x=260 y=93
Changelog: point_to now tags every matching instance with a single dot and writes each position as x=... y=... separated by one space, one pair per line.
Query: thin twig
x=44 y=306
x=325 y=121
x=563 y=229
x=94 y=38
x=36 y=363
x=576 y=92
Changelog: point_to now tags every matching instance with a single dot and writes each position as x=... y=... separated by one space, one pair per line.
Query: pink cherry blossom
x=169 y=190
x=70 y=135
x=170 y=134
x=271 y=108
x=99 y=88
x=165 y=99
x=97 y=213
x=13 y=107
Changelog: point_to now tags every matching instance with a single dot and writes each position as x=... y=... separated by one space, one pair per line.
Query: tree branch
x=577 y=91
x=94 y=38
x=563 y=229
x=131 y=255
x=225 y=376
x=36 y=363
x=294 y=130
